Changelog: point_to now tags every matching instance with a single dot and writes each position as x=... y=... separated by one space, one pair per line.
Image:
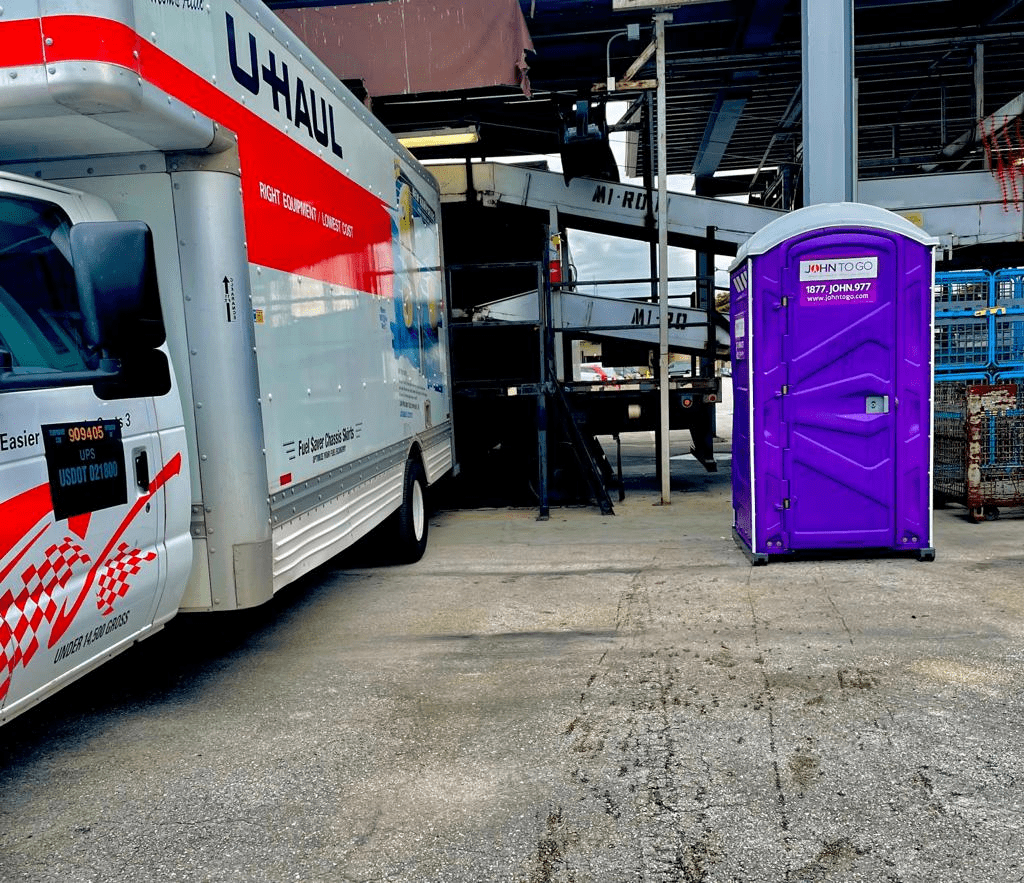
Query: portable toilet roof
x=828 y=214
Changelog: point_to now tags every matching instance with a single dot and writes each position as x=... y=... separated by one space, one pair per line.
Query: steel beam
x=725 y=116
x=830 y=170
x=760 y=28
x=962 y=209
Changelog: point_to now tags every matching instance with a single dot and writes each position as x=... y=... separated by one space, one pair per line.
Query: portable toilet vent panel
x=831 y=312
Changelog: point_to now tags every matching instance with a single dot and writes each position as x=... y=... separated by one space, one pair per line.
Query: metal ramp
x=590 y=315
x=511 y=371
x=602 y=206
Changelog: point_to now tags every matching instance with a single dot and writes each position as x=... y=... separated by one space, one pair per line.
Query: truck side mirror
x=115 y=274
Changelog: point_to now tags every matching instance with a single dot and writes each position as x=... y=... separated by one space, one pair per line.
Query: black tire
x=411 y=523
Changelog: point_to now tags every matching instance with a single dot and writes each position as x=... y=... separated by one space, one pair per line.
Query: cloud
x=598 y=258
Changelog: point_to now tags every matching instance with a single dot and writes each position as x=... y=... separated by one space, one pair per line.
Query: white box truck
x=223 y=344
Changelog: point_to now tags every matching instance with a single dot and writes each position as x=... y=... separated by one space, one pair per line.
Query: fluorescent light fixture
x=618 y=5
x=447 y=137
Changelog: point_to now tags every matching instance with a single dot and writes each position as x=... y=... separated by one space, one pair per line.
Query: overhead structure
x=757 y=31
x=939 y=86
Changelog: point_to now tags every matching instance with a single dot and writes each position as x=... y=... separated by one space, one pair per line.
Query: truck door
x=838 y=400
x=80 y=519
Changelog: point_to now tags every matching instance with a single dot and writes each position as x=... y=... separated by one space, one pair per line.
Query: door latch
x=876 y=405
x=142 y=470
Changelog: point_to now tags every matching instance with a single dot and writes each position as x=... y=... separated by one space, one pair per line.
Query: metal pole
x=544 y=311
x=651 y=226
x=706 y=299
x=649 y=219
x=555 y=315
x=663 y=421
x=979 y=88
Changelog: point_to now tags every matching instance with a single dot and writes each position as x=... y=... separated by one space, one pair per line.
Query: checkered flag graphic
x=113 y=582
x=23 y=611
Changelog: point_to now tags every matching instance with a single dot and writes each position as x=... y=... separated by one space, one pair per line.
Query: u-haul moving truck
x=223 y=347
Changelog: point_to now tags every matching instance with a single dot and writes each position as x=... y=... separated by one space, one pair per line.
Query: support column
x=557 y=251
x=544 y=310
x=704 y=430
x=829 y=133
x=664 y=461
x=650 y=150
x=979 y=91
x=705 y=289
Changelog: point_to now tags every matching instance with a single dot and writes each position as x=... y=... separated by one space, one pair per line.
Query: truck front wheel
x=411 y=517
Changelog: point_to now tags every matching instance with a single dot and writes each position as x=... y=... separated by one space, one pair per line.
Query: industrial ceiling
x=929 y=74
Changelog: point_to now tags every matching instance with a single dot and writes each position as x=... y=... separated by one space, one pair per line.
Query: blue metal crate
x=963 y=344
x=1008 y=352
x=963 y=292
x=1008 y=322
x=964 y=327
x=1009 y=288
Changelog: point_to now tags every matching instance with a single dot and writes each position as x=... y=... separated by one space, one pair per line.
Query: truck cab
x=91 y=442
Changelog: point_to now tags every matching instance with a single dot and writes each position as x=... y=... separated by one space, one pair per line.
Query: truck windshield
x=40 y=322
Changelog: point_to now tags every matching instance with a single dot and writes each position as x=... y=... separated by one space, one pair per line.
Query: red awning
x=400 y=47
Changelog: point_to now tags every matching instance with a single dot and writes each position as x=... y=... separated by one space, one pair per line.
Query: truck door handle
x=142 y=469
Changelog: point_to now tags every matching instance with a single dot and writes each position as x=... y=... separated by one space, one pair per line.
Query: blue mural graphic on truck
x=419 y=311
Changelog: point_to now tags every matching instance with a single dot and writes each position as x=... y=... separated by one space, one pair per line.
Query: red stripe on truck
x=22 y=43
x=84 y=38
x=19 y=515
x=302 y=215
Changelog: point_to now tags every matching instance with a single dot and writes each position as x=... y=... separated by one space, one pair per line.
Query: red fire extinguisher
x=555 y=259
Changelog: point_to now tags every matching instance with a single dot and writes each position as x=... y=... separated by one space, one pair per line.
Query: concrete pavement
x=592 y=698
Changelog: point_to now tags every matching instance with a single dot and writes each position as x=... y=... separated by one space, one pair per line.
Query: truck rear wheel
x=411 y=517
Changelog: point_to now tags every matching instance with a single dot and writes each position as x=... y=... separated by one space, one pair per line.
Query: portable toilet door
x=831 y=311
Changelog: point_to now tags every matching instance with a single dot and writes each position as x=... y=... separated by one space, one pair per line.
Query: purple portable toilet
x=831 y=311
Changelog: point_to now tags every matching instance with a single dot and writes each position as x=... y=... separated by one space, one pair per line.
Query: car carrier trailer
x=223 y=335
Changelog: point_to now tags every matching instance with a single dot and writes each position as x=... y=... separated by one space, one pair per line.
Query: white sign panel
x=839 y=268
